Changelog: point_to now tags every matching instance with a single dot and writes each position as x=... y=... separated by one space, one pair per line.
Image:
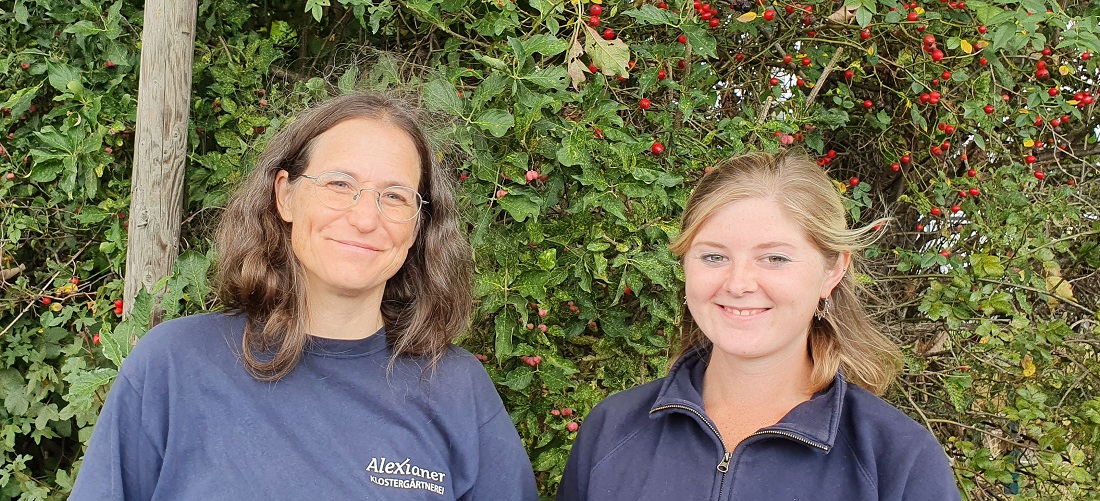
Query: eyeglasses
x=340 y=191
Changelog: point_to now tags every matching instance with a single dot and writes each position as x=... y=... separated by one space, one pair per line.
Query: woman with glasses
x=773 y=394
x=332 y=374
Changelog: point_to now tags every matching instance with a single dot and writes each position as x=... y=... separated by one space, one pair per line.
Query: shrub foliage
x=579 y=128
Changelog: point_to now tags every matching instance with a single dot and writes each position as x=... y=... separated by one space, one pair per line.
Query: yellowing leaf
x=981 y=44
x=747 y=17
x=1029 y=366
x=1064 y=70
x=966 y=47
x=1072 y=102
x=871 y=50
x=1059 y=287
x=597 y=2
x=1028 y=143
x=56 y=307
x=919 y=10
x=841 y=187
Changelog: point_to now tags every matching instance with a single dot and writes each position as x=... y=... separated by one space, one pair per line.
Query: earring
x=823 y=310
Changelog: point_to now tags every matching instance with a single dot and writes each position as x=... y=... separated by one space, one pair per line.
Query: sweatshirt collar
x=347 y=348
x=816 y=420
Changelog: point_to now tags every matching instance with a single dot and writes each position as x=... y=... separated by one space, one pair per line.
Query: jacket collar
x=815 y=421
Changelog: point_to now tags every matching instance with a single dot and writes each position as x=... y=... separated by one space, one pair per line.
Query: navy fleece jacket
x=185 y=421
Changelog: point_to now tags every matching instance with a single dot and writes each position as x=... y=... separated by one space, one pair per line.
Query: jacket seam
x=859 y=464
x=620 y=445
x=144 y=431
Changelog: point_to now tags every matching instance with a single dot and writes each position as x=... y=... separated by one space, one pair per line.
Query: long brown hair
x=426 y=303
x=846 y=339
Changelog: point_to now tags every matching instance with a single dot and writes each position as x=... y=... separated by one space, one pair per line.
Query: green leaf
x=502 y=328
x=496 y=122
x=651 y=15
x=549 y=78
x=702 y=42
x=611 y=56
x=519 y=378
x=519 y=207
x=545 y=44
x=573 y=150
x=440 y=95
x=863 y=17
x=347 y=81
x=20 y=101
x=84 y=384
x=315 y=7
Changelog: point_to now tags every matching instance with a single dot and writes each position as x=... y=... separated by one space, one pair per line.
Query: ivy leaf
x=611 y=56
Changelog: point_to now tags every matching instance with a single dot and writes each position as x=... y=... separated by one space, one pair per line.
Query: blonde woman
x=773 y=395
x=332 y=375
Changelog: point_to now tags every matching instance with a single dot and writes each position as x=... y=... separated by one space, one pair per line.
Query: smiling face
x=351 y=252
x=753 y=282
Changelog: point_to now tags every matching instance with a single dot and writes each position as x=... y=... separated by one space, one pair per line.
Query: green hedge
x=987 y=273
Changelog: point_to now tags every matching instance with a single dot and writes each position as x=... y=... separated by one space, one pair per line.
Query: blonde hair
x=425 y=304
x=846 y=339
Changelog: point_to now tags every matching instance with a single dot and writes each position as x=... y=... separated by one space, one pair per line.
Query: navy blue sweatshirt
x=185 y=421
x=656 y=442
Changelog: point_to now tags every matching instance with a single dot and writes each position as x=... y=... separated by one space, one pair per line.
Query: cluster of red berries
x=1083 y=98
x=827 y=159
x=930 y=48
x=572 y=426
x=118 y=306
x=932 y=98
x=533 y=361
x=707 y=13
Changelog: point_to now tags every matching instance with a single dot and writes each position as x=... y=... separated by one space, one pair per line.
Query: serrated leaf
x=545 y=44
x=702 y=42
x=548 y=78
x=863 y=17
x=611 y=56
x=440 y=95
x=83 y=384
x=347 y=81
x=651 y=15
x=496 y=122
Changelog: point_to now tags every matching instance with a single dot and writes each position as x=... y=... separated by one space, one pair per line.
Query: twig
x=824 y=76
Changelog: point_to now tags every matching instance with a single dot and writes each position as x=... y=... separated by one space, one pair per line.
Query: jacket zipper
x=792 y=437
x=723 y=465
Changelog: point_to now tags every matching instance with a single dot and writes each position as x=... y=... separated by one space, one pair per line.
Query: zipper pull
x=724 y=465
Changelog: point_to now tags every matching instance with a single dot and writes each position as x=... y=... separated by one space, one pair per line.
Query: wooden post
x=164 y=100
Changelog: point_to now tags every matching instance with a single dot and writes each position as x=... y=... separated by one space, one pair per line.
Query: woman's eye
x=394 y=197
x=338 y=185
x=712 y=258
x=777 y=259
